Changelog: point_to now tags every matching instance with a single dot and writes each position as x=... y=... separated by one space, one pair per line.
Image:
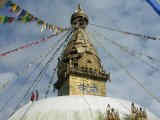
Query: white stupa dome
x=73 y=108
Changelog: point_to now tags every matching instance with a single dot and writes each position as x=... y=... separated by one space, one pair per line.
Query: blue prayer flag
x=22 y=14
x=9 y=3
x=155 y=5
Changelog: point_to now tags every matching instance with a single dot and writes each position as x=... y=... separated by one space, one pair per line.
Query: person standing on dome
x=144 y=115
x=113 y=116
x=134 y=111
x=32 y=97
x=108 y=108
x=133 y=108
x=117 y=115
x=37 y=95
x=107 y=112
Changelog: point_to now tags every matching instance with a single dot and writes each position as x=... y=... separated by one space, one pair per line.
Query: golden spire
x=79 y=68
x=79 y=7
x=79 y=18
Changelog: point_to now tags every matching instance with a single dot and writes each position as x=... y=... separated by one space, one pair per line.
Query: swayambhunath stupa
x=82 y=80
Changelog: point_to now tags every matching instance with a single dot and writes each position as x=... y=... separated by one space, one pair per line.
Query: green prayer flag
x=27 y=19
x=3 y=19
x=40 y=22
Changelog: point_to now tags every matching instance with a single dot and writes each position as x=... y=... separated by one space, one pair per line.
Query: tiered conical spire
x=79 y=68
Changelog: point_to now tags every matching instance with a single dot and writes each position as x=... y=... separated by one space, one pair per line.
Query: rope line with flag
x=126 y=33
x=27 y=45
x=155 y=4
x=38 y=78
x=24 y=16
x=6 y=19
x=131 y=76
x=50 y=84
x=132 y=53
x=41 y=59
x=124 y=106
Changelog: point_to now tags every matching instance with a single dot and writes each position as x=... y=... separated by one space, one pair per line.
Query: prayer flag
x=13 y=8
x=155 y=5
x=11 y=19
x=9 y=3
x=43 y=27
x=22 y=14
x=3 y=19
x=6 y=19
x=51 y=28
x=16 y=9
x=27 y=18
x=40 y=22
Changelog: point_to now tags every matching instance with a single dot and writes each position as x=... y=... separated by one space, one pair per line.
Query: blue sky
x=134 y=16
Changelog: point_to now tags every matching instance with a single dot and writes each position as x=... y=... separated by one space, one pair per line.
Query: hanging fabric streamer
x=6 y=19
x=27 y=45
x=26 y=17
x=130 y=52
x=127 y=33
x=43 y=27
x=51 y=28
x=155 y=4
x=130 y=75
x=15 y=8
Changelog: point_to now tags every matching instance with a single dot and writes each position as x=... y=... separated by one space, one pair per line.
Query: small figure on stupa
x=111 y=114
x=133 y=108
x=138 y=113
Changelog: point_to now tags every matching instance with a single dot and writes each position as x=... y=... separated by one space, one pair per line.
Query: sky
x=135 y=16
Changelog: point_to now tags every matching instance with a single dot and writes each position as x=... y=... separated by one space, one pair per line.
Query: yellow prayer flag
x=14 y=7
x=43 y=27
x=47 y=26
x=52 y=28
x=3 y=19
x=56 y=30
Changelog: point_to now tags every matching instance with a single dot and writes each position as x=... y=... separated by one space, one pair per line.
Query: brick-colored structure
x=79 y=68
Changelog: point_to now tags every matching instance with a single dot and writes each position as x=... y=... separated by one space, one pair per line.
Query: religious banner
x=155 y=5
x=26 y=17
x=45 y=39
x=6 y=19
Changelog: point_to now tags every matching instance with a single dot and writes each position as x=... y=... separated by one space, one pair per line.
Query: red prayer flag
x=11 y=19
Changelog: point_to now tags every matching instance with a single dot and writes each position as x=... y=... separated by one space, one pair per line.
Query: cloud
x=6 y=79
x=154 y=106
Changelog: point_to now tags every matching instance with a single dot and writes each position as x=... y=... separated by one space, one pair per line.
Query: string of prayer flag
x=26 y=17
